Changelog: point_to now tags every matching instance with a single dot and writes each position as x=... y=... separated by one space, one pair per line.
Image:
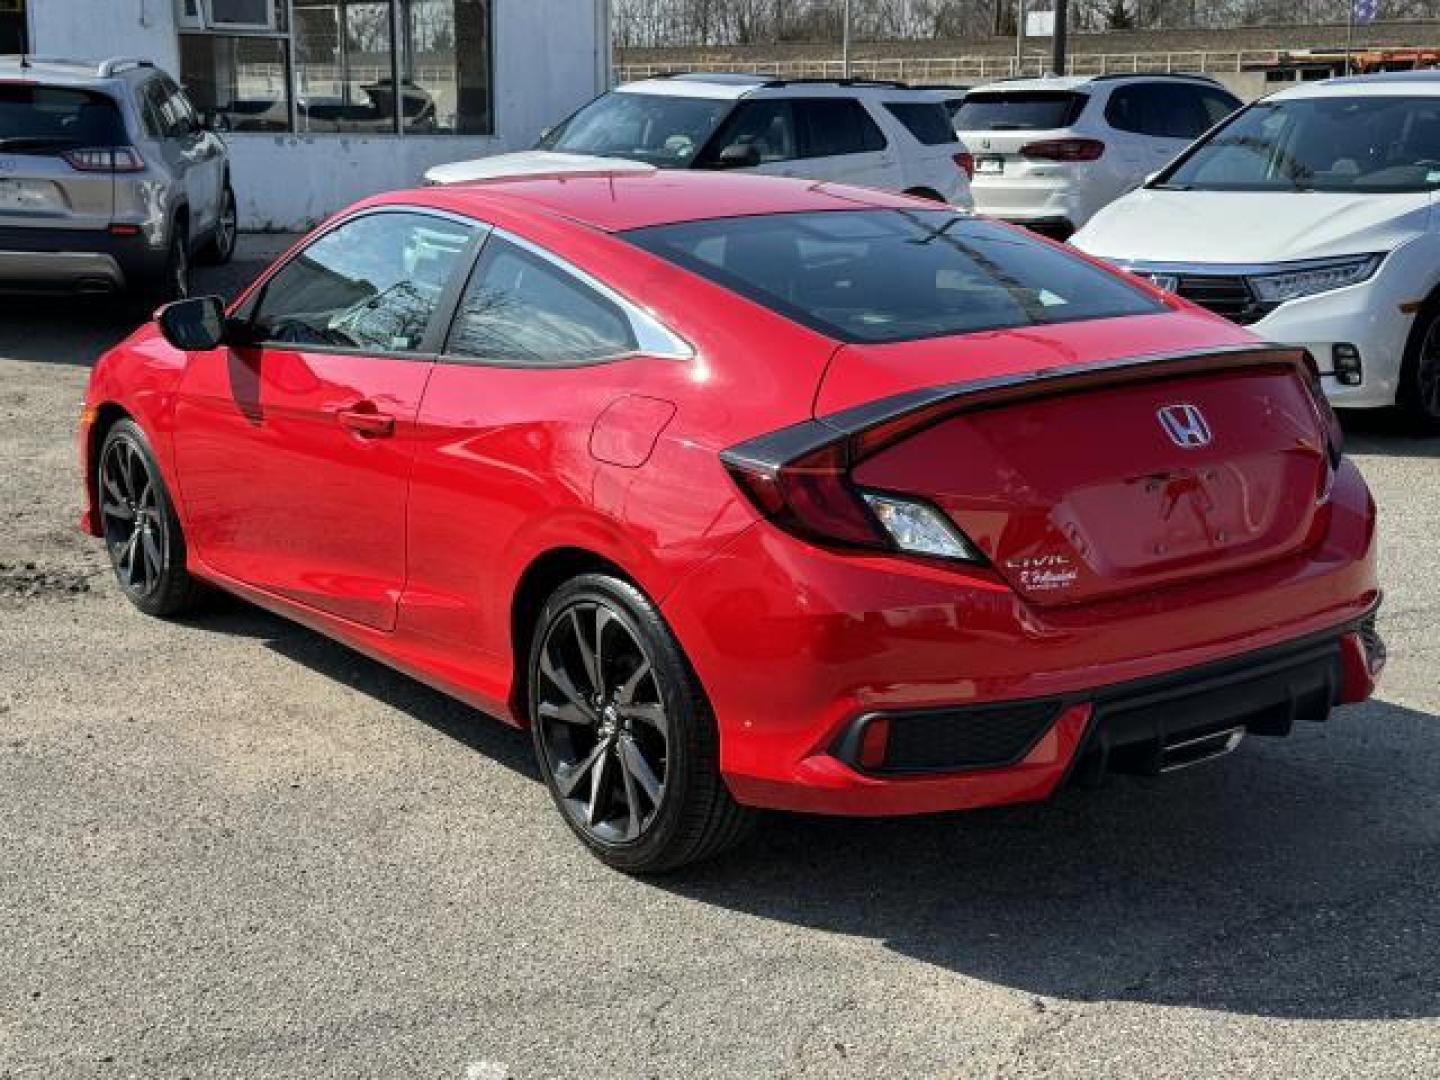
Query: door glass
x=765 y=125
x=522 y=309
x=373 y=283
x=836 y=126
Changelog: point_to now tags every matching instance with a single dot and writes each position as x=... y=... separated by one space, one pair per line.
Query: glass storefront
x=315 y=66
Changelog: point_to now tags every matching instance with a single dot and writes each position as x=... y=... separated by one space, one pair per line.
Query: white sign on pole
x=1040 y=24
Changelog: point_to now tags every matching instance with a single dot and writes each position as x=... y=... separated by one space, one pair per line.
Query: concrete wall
x=551 y=56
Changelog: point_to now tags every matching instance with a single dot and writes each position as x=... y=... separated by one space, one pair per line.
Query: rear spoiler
x=907 y=412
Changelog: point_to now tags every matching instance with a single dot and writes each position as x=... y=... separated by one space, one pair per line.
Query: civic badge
x=1185 y=424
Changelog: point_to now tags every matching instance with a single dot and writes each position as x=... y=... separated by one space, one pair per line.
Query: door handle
x=366 y=419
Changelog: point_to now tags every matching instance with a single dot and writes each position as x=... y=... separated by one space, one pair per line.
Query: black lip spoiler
x=768 y=453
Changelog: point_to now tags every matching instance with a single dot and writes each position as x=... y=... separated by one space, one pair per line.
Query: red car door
x=293 y=455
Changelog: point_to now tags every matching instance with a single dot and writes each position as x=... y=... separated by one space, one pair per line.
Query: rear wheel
x=174 y=280
x=142 y=533
x=623 y=733
x=1419 y=394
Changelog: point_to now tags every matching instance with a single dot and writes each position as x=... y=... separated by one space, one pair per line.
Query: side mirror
x=739 y=156
x=193 y=325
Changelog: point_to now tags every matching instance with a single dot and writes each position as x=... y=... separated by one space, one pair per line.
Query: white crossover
x=1050 y=152
x=1310 y=216
x=874 y=134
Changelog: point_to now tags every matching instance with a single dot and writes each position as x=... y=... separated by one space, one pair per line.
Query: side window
x=372 y=283
x=830 y=127
x=152 y=107
x=519 y=308
x=766 y=125
x=1131 y=109
x=930 y=124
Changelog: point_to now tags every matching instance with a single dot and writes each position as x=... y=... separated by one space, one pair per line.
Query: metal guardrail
x=962 y=69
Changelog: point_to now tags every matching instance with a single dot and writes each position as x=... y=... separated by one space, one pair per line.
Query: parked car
x=1311 y=217
x=1050 y=152
x=746 y=492
x=108 y=180
x=374 y=113
x=882 y=135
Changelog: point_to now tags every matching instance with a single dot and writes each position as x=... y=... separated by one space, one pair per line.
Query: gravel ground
x=231 y=848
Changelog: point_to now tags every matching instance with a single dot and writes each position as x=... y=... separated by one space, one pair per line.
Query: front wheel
x=1419 y=396
x=142 y=533
x=220 y=249
x=623 y=733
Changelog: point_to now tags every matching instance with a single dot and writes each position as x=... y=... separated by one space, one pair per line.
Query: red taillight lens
x=1064 y=149
x=811 y=496
x=1334 y=433
x=966 y=164
x=112 y=159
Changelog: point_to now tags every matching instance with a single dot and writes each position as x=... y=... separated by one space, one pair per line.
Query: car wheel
x=1419 y=396
x=174 y=280
x=221 y=248
x=142 y=533
x=623 y=732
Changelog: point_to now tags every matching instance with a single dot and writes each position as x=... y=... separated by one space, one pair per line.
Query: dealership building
x=305 y=91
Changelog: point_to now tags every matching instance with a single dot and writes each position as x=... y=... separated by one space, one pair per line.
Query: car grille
x=1224 y=294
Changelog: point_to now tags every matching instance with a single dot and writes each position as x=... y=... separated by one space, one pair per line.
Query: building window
x=317 y=66
x=12 y=27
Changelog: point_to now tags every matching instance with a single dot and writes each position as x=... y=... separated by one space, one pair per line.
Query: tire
x=1419 y=394
x=174 y=281
x=633 y=766
x=220 y=248
x=142 y=534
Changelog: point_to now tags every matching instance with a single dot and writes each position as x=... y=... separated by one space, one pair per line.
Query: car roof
x=70 y=71
x=623 y=199
x=1084 y=82
x=1386 y=84
x=731 y=86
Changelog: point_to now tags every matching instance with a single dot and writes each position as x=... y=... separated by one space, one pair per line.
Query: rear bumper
x=796 y=646
x=61 y=261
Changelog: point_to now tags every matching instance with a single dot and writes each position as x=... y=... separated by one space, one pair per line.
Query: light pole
x=1057 y=55
x=845 y=39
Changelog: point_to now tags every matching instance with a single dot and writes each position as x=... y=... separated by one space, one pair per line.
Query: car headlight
x=920 y=529
x=1312 y=278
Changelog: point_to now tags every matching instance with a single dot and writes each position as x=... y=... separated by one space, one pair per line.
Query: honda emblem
x=1185 y=424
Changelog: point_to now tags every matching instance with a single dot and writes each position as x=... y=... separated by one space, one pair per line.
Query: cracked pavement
x=231 y=848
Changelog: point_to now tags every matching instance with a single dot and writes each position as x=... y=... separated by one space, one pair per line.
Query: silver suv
x=109 y=180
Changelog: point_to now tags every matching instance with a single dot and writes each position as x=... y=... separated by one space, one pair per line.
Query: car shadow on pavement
x=1385 y=433
x=1297 y=879
x=499 y=741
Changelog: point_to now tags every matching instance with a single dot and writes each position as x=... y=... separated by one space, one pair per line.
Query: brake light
x=966 y=164
x=1064 y=150
x=811 y=496
x=112 y=159
x=1329 y=420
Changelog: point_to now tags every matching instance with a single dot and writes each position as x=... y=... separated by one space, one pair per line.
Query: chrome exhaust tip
x=1187 y=752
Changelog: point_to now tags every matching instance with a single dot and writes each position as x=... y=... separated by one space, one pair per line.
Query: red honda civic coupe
x=743 y=492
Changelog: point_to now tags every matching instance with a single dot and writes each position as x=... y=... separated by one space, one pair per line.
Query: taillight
x=1064 y=149
x=112 y=159
x=1334 y=433
x=966 y=164
x=811 y=496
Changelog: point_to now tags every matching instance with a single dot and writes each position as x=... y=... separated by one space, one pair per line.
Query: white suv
x=1313 y=217
x=1050 y=152
x=881 y=135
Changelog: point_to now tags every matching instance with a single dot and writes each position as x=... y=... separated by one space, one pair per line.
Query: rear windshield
x=928 y=123
x=657 y=129
x=895 y=275
x=1019 y=110
x=41 y=119
x=1374 y=145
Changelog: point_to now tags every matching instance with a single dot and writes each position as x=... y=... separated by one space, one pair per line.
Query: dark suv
x=109 y=181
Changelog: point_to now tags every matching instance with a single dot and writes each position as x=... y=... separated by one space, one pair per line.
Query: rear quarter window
x=40 y=119
x=930 y=124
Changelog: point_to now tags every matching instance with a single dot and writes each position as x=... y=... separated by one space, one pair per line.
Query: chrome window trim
x=652 y=337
